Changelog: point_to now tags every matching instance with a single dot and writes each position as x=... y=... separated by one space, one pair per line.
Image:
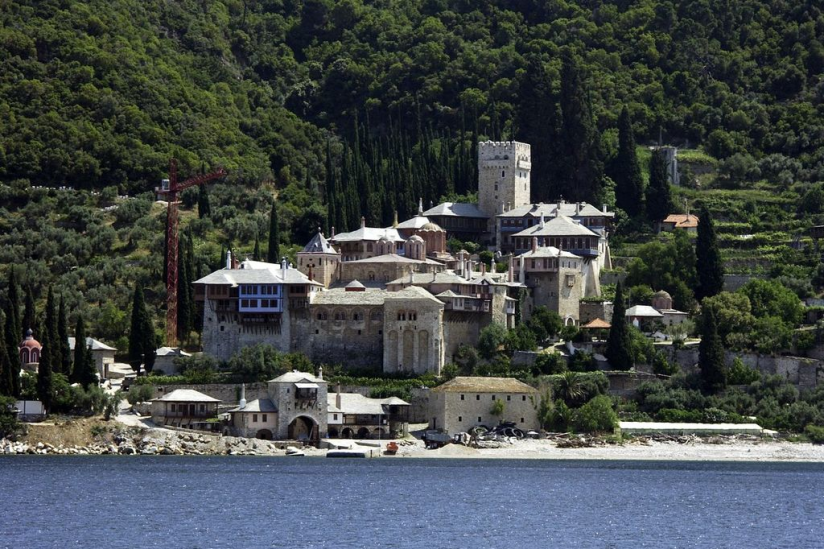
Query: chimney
x=333 y=232
x=521 y=273
x=337 y=397
x=395 y=219
x=483 y=268
x=605 y=208
x=234 y=261
x=284 y=264
x=420 y=206
x=542 y=220
x=534 y=243
x=242 y=403
x=311 y=275
x=509 y=269
x=320 y=372
x=577 y=208
x=228 y=259
x=362 y=222
x=411 y=276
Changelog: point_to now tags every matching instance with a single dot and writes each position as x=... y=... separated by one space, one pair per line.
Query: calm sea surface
x=194 y=502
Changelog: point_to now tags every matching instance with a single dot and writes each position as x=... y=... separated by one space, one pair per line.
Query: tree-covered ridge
x=99 y=93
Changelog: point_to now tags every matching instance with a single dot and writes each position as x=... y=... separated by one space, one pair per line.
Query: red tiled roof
x=682 y=221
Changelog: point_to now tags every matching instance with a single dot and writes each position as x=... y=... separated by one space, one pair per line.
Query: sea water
x=240 y=502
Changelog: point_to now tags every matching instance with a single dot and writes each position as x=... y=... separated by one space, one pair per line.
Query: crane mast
x=170 y=189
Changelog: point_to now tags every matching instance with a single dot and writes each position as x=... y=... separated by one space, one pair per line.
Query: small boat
x=294 y=452
x=348 y=453
x=391 y=448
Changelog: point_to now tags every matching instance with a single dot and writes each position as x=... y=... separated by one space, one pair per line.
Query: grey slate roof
x=463 y=384
x=357 y=404
x=456 y=209
x=567 y=208
x=547 y=251
x=319 y=245
x=95 y=345
x=556 y=226
x=413 y=292
x=256 y=406
x=643 y=311
x=185 y=395
x=368 y=233
x=168 y=351
x=339 y=296
x=257 y=272
x=418 y=279
x=415 y=223
x=297 y=377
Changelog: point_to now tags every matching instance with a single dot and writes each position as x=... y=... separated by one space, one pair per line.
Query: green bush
x=815 y=434
x=140 y=393
x=596 y=416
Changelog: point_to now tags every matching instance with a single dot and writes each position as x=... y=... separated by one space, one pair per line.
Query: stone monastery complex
x=395 y=298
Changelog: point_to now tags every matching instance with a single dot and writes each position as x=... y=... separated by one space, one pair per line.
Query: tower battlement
x=503 y=176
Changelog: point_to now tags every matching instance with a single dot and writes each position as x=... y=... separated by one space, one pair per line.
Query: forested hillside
x=349 y=108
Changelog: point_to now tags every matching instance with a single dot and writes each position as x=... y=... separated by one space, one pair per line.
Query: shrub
x=140 y=393
x=596 y=416
x=815 y=434
x=741 y=374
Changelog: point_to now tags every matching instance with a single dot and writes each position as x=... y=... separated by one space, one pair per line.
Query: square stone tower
x=503 y=176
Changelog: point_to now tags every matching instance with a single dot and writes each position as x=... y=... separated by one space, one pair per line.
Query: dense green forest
x=348 y=108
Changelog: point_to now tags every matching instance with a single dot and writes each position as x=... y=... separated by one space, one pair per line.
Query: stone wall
x=353 y=343
x=461 y=328
x=805 y=373
x=589 y=311
x=447 y=411
x=413 y=336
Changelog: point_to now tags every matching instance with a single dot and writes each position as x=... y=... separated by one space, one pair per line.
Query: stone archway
x=363 y=432
x=264 y=434
x=333 y=432
x=347 y=433
x=303 y=428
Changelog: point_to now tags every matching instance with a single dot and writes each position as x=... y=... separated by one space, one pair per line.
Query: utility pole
x=169 y=189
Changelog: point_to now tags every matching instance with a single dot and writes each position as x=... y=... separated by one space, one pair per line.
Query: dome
x=661 y=294
x=414 y=238
x=30 y=342
x=432 y=227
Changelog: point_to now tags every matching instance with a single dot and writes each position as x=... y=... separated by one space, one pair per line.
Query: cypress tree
x=273 y=251
x=44 y=371
x=536 y=113
x=6 y=368
x=708 y=258
x=30 y=311
x=184 y=292
x=204 y=208
x=84 y=371
x=55 y=361
x=629 y=185
x=141 y=334
x=256 y=250
x=14 y=331
x=659 y=199
x=13 y=308
x=63 y=336
x=711 y=355
x=582 y=159
x=619 y=345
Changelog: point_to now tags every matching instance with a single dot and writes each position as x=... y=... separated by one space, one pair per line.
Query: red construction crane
x=170 y=188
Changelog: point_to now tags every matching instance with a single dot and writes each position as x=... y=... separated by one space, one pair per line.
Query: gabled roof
x=682 y=221
x=185 y=395
x=597 y=324
x=448 y=294
x=643 y=311
x=413 y=292
x=357 y=404
x=388 y=258
x=473 y=384
x=169 y=351
x=422 y=279
x=547 y=251
x=368 y=233
x=93 y=343
x=556 y=226
x=257 y=272
x=297 y=377
x=415 y=223
x=456 y=209
x=256 y=406
x=319 y=245
x=570 y=209
x=339 y=296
